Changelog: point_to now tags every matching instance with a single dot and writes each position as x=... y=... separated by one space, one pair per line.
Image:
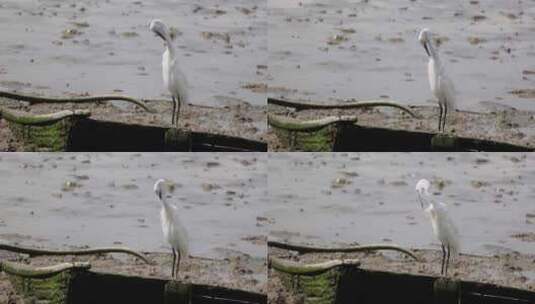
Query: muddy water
x=112 y=201
x=488 y=50
x=108 y=47
x=330 y=199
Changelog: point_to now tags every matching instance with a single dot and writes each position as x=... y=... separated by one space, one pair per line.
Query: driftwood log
x=24 y=118
x=349 y=105
x=292 y=267
x=293 y=124
x=309 y=249
x=39 y=252
x=32 y=99
x=28 y=271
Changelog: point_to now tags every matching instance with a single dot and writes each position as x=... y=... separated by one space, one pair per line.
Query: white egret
x=173 y=230
x=441 y=85
x=173 y=78
x=443 y=227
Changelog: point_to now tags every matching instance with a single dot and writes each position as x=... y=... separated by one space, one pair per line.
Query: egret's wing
x=448 y=92
x=179 y=84
x=180 y=233
x=449 y=227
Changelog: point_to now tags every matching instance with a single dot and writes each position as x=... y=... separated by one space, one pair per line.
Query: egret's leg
x=174 y=260
x=174 y=109
x=448 y=260
x=440 y=116
x=445 y=115
x=178 y=264
x=443 y=259
x=178 y=103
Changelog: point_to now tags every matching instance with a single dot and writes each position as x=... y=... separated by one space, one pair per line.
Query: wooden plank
x=358 y=138
x=204 y=294
x=366 y=287
x=102 y=288
x=218 y=142
x=93 y=288
x=90 y=135
x=476 y=298
x=476 y=292
x=377 y=287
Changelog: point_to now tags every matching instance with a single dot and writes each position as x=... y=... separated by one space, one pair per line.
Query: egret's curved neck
x=165 y=203
x=169 y=45
x=433 y=53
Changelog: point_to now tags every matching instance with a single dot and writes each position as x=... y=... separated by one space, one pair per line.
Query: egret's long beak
x=426 y=47
x=161 y=35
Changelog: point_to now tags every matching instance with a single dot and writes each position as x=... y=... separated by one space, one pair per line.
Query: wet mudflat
x=345 y=198
x=106 y=46
x=341 y=199
x=77 y=200
x=331 y=51
x=52 y=48
x=106 y=199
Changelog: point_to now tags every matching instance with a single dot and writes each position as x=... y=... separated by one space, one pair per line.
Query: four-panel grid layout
x=334 y=136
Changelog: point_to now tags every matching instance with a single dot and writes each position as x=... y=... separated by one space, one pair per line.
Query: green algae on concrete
x=321 y=140
x=444 y=142
x=314 y=289
x=42 y=132
x=52 y=290
x=178 y=139
x=53 y=137
x=308 y=135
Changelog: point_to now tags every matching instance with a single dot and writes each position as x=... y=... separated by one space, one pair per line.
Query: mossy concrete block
x=53 y=290
x=178 y=140
x=53 y=137
x=314 y=289
x=444 y=142
x=321 y=140
x=177 y=293
x=446 y=291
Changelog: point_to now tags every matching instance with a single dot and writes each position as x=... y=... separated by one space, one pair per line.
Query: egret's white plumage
x=173 y=230
x=443 y=227
x=441 y=85
x=173 y=78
